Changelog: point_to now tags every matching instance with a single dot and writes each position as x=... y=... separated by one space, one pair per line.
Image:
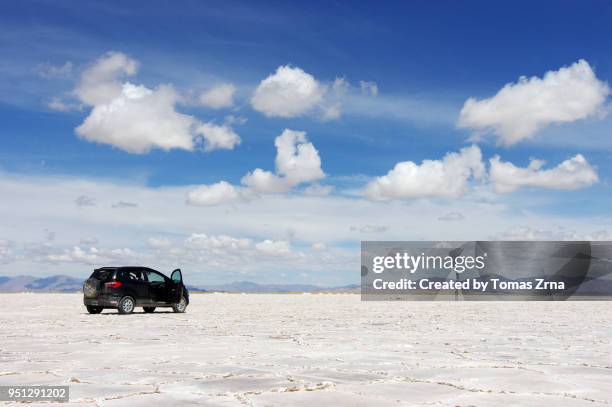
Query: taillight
x=113 y=284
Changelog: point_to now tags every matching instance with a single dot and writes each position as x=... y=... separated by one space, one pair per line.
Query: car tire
x=148 y=310
x=181 y=306
x=94 y=310
x=126 y=305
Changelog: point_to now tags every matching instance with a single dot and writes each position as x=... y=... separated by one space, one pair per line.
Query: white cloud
x=368 y=88
x=327 y=220
x=99 y=84
x=140 y=119
x=218 y=97
x=218 y=137
x=92 y=256
x=297 y=162
x=202 y=241
x=135 y=118
x=274 y=247
x=520 y=109
x=264 y=182
x=573 y=173
x=214 y=194
x=432 y=178
x=289 y=92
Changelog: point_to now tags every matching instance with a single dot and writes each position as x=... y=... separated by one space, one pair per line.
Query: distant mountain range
x=45 y=284
x=68 y=284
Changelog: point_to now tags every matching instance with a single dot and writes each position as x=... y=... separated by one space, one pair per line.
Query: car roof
x=128 y=268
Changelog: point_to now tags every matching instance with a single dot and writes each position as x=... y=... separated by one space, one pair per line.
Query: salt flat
x=302 y=350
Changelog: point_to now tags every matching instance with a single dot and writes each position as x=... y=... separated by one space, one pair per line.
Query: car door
x=177 y=281
x=134 y=280
x=141 y=285
x=159 y=286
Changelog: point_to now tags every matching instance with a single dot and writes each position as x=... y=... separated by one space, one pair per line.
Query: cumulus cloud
x=310 y=219
x=140 y=119
x=264 y=182
x=520 y=109
x=447 y=177
x=91 y=256
x=218 y=137
x=136 y=118
x=99 y=83
x=244 y=248
x=289 y=92
x=218 y=97
x=214 y=194
x=297 y=162
x=202 y=241
x=573 y=173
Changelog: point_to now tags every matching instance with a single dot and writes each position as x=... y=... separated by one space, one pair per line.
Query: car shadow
x=133 y=313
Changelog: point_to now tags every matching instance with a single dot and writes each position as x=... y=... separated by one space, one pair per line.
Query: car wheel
x=94 y=310
x=180 y=306
x=126 y=305
x=148 y=310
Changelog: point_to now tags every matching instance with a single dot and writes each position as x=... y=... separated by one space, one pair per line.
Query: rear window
x=103 y=275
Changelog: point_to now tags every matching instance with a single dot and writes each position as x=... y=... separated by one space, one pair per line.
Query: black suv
x=125 y=288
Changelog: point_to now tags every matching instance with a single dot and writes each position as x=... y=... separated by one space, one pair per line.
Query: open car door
x=177 y=280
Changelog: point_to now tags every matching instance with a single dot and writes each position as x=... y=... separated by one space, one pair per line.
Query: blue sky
x=425 y=60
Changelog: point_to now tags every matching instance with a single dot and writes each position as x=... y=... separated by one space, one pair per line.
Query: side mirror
x=177 y=276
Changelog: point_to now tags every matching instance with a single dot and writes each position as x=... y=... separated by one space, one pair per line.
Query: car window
x=103 y=275
x=155 y=277
x=177 y=277
x=133 y=275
